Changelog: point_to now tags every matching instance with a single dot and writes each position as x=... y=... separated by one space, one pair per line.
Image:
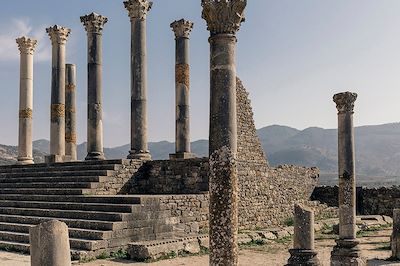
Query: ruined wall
x=370 y=201
x=266 y=195
x=171 y=177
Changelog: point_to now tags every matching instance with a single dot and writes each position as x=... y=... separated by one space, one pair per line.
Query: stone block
x=49 y=244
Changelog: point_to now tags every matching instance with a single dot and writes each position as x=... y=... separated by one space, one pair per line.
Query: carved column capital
x=26 y=45
x=58 y=34
x=345 y=102
x=182 y=28
x=94 y=23
x=138 y=9
x=223 y=16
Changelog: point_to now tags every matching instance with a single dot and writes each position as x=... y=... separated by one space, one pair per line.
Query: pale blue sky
x=292 y=55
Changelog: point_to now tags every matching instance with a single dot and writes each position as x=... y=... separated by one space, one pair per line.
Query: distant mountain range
x=377 y=149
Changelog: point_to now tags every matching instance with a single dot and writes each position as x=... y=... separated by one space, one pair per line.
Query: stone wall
x=171 y=177
x=266 y=195
x=370 y=201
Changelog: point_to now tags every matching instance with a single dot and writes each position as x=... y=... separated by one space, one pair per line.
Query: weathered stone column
x=223 y=21
x=303 y=252
x=346 y=251
x=70 y=111
x=49 y=244
x=94 y=24
x=182 y=29
x=27 y=48
x=395 y=239
x=138 y=10
x=58 y=36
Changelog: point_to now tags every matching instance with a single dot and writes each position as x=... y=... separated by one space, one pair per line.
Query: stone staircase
x=67 y=192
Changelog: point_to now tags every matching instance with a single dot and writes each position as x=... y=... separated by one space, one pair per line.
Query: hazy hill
x=377 y=149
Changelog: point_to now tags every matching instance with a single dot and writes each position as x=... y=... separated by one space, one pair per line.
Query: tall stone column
x=182 y=29
x=94 y=24
x=138 y=10
x=58 y=36
x=27 y=48
x=223 y=21
x=346 y=251
x=70 y=111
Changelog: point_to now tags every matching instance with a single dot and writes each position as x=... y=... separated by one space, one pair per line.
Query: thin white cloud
x=22 y=27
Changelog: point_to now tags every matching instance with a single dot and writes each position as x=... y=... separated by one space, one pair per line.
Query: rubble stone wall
x=370 y=201
x=266 y=194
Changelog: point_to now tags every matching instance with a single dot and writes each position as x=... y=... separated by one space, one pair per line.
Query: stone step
x=104 y=207
x=78 y=163
x=51 y=179
x=69 y=214
x=117 y=199
x=73 y=232
x=61 y=168
x=14 y=246
x=48 y=191
x=82 y=244
x=51 y=185
x=58 y=173
x=73 y=223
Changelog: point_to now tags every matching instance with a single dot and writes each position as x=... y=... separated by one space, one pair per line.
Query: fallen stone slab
x=156 y=249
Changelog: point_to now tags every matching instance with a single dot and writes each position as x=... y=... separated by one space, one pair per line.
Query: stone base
x=181 y=155
x=347 y=253
x=145 y=156
x=57 y=158
x=95 y=156
x=24 y=160
x=303 y=257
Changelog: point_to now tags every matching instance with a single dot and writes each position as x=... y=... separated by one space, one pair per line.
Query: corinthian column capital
x=94 y=23
x=345 y=101
x=138 y=9
x=58 y=34
x=26 y=45
x=182 y=28
x=223 y=16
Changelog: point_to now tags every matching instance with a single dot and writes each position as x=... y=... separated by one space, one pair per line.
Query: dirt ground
x=374 y=246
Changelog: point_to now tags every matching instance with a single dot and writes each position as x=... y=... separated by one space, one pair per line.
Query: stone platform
x=32 y=194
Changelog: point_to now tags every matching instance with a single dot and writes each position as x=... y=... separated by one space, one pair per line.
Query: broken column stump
x=395 y=239
x=49 y=244
x=303 y=252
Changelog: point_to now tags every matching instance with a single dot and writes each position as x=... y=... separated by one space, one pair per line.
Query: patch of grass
x=393 y=259
x=11 y=248
x=385 y=246
x=289 y=221
x=120 y=254
x=284 y=240
x=103 y=256
x=204 y=231
x=254 y=243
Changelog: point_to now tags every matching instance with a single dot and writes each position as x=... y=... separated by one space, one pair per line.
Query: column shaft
x=70 y=112
x=139 y=145
x=182 y=117
x=95 y=122
x=57 y=127
x=26 y=46
x=347 y=186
